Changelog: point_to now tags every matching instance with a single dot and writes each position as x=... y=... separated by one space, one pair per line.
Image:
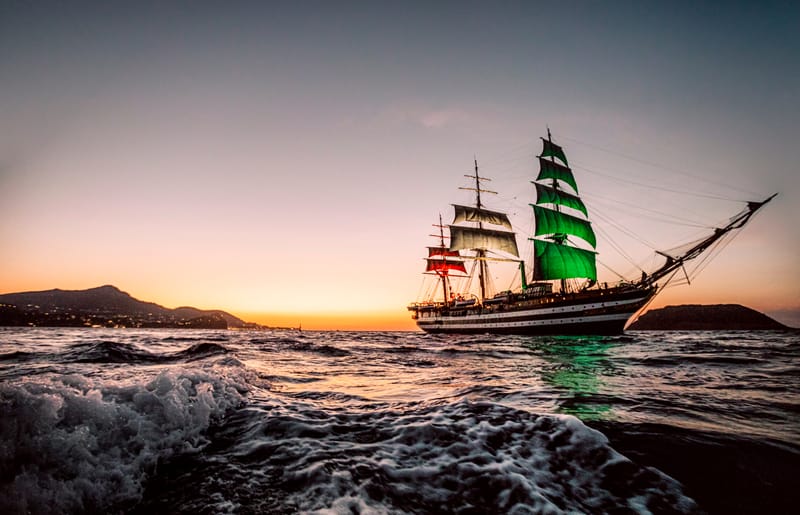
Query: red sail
x=442 y=251
x=444 y=265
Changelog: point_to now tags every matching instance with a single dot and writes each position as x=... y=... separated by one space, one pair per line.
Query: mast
x=554 y=259
x=481 y=253
x=441 y=261
x=481 y=238
x=444 y=276
x=558 y=238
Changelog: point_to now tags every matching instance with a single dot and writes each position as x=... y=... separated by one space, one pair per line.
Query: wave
x=703 y=359
x=338 y=397
x=200 y=351
x=120 y=352
x=107 y=352
x=75 y=444
x=323 y=349
x=403 y=349
x=18 y=356
x=476 y=457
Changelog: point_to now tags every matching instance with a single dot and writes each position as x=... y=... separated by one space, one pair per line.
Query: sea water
x=182 y=421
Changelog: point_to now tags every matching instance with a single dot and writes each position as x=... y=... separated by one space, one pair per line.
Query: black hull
x=593 y=328
x=599 y=312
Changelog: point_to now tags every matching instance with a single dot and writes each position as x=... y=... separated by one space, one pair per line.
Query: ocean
x=193 y=421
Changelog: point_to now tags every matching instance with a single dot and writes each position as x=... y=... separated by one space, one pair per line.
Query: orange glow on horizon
x=709 y=288
x=352 y=321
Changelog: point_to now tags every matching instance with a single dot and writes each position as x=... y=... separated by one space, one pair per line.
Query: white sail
x=474 y=214
x=462 y=238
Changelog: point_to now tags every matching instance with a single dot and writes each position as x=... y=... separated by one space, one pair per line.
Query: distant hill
x=106 y=304
x=697 y=317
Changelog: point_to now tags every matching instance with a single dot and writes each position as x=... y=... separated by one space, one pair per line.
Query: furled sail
x=554 y=261
x=549 y=221
x=445 y=265
x=551 y=149
x=548 y=195
x=474 y=214
x=552 y=170
x=442 y=251
x=477 y=238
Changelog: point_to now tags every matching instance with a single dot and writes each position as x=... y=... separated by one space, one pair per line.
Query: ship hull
x=600 y=312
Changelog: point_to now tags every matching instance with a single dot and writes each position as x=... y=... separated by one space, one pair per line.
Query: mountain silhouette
x=712 y=317
x=108 y=301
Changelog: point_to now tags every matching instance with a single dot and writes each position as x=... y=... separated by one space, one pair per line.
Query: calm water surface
x=144 y=421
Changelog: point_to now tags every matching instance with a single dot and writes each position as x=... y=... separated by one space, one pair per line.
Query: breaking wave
x=459 y=457
x=76 y=444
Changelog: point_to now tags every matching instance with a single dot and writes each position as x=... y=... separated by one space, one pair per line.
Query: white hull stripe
x=533 y=312
x=525 y=323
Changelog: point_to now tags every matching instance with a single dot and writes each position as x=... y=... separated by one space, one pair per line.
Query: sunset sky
x=284 y=161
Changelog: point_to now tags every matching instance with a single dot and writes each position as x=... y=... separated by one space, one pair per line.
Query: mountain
x=107 y=305
x=698 y=317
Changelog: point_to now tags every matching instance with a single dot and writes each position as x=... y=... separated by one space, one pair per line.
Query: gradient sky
x=284 y=160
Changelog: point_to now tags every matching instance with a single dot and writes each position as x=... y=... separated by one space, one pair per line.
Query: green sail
x=554 y=261
x=553 y=170
x=549 y=221
x=551 y=149
x=548 y=195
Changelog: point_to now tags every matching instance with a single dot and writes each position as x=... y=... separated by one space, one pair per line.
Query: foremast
x=554 y=257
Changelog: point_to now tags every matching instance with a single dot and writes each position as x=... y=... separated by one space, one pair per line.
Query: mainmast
x=480 y=239
x=480 y=253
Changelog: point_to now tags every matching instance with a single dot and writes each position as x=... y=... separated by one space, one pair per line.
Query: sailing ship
x=564 y=296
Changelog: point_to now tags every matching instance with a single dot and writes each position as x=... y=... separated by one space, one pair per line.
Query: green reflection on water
x=575 y=367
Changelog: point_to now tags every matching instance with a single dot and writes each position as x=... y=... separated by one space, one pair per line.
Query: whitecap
x=70 y=443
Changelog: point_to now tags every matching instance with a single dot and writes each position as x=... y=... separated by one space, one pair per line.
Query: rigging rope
x=515 y=280
x=616 y=246
x=653 y=187
x=663 y=167
x=715 y=250
x=687 y=222
x=611 y=270
x=623 y=230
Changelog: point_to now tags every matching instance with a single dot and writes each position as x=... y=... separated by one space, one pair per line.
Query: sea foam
x=70 y=443
x=460 y=457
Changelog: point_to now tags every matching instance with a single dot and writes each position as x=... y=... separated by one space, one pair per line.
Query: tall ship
x=563 y=295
